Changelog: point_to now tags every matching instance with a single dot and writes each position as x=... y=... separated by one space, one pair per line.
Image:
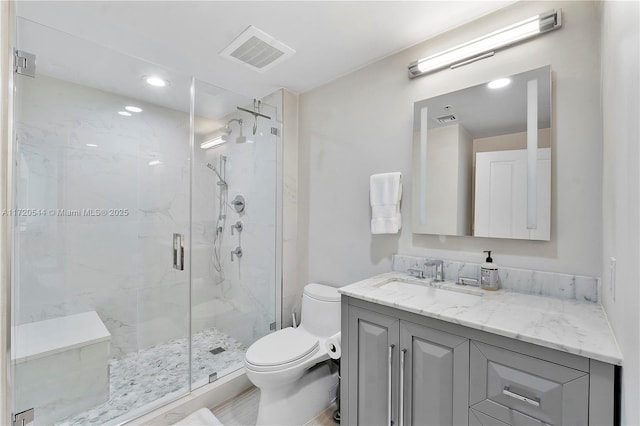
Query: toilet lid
x=322 y=292
x=282 y=347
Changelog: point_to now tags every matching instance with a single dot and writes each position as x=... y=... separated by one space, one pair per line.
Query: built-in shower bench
x=61 y=365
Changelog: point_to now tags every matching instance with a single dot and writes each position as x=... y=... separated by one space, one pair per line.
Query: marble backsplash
x=551 y=284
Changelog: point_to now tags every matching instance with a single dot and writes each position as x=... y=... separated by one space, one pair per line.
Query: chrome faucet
x=439 y=265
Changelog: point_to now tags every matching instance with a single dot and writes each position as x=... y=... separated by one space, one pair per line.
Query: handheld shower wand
x=216 y=261
x=221 y=181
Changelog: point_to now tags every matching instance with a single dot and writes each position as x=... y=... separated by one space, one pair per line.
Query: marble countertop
x=572 y=326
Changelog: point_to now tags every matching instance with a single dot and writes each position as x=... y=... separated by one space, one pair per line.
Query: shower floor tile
x=144 y=377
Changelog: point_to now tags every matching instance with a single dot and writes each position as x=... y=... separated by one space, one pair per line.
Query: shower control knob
x=238 y=203
x=237 y=226
x=237 y=252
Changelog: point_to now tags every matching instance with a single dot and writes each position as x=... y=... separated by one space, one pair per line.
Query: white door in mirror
x=500 y=195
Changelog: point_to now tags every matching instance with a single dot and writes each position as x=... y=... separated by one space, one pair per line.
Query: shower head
x=228 y=130
x=242 y=138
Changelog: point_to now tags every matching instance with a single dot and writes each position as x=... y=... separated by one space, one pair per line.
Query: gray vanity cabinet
x=403 y=373
x=401 y=368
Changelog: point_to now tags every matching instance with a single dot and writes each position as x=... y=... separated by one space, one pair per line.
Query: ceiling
x=331 y=38
x=485 y=112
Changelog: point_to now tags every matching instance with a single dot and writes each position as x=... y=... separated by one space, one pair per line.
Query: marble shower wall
x=75 y=153
x=121 y=266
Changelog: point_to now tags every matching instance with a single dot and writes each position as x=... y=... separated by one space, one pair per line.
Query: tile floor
x=141 y=378
x=243 y=411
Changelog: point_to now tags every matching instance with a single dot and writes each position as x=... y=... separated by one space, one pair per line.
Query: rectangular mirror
x=482 y=160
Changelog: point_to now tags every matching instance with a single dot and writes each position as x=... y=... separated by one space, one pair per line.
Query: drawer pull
x=507 y=392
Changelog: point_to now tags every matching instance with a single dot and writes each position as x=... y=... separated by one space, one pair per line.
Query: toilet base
x=296 y=403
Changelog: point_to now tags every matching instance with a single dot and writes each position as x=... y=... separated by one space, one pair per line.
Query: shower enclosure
x=144 y=257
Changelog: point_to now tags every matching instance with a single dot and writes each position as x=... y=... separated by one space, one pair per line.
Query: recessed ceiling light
x=133 y=108
x=92 y=145
x=125 y=113
x=499 y=83
x=155 y=162
x=156 y=81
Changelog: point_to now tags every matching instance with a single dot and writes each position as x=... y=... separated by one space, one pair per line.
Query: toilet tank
x=320 y=310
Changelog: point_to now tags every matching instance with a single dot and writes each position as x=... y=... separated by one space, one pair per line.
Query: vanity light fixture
x=212 y=142
x=485 y=46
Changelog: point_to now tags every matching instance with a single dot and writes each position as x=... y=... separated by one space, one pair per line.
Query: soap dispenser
x=489 y=273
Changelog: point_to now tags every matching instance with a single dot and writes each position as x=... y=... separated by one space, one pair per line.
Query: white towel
x=385 y=195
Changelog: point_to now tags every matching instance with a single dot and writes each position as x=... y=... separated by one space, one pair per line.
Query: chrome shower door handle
x=178 y=252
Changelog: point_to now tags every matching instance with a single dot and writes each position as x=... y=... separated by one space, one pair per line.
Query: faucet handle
x=237 y=226
x=237 y=252
x=439 y=269
x=418 y=273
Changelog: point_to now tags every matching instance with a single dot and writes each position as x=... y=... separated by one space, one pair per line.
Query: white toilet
x=287 y=366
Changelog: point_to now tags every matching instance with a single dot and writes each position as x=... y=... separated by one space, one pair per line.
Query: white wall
x=446 y=187
x=291 y=283
x=621 y=189
x=361 y=124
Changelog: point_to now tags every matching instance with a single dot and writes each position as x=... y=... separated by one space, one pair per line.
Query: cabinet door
x=436 y=376
x=373 y=385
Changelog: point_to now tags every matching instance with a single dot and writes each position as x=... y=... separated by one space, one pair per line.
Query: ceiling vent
x=257 y=50
x=446 y=118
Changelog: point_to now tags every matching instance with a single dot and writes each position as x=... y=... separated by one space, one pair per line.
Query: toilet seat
x=282 y=349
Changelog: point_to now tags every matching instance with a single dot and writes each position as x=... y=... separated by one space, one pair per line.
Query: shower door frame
x=8 y=26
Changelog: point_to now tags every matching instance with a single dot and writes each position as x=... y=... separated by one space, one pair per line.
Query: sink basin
x=437 y=294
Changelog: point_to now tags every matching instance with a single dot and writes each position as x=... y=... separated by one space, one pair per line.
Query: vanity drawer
x=478 y=418
x=517 y=389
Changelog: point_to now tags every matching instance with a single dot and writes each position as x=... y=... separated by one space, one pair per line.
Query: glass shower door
x=101 y=314
x=234 y=274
